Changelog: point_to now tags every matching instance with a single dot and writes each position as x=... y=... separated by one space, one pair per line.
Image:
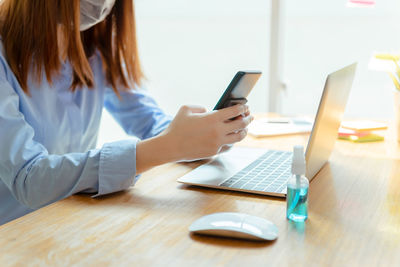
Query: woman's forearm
x=153 y=152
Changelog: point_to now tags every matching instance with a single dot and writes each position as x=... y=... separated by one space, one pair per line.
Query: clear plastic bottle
x=297 y=188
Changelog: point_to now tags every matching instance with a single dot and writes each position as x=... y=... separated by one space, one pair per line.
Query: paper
x=280 y=126
x=364 y=125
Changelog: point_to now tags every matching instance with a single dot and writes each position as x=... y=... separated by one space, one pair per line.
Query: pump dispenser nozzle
x=299 y=161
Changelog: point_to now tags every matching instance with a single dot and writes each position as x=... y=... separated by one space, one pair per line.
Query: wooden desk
x=354 y=210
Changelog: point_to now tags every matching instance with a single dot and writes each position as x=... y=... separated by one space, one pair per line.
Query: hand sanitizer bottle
x=297 y=188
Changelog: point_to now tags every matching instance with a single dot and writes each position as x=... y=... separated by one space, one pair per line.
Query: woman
x=61 y=61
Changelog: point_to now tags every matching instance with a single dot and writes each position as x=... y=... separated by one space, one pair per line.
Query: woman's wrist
x=155 y=151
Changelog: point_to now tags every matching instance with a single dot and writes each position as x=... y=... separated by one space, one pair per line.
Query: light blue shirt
x=48 y=139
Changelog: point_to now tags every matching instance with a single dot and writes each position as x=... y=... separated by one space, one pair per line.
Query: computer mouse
x=236 y=225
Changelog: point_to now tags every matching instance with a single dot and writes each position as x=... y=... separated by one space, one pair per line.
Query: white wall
x=323 y=36
x=191 y=49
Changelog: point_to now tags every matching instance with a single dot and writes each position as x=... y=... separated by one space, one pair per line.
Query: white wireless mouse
x=236 y=225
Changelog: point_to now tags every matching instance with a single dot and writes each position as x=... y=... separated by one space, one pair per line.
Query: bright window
x=190 y=50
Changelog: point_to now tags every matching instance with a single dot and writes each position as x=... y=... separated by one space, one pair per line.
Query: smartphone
x=238 y=89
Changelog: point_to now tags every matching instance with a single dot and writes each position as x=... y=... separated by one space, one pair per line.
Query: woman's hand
x=196 y=134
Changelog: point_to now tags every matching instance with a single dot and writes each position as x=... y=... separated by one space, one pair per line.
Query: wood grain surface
x=354 y=219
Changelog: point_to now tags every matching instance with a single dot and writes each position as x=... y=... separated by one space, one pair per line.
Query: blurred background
x=190 y=50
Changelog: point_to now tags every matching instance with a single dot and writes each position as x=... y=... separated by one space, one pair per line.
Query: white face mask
x=94 y=11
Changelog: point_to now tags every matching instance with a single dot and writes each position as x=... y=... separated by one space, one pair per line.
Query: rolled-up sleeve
x=137 y=113
x=37 y=178
x=117 y=164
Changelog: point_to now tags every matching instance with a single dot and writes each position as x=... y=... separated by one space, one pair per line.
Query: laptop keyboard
x=268 y=173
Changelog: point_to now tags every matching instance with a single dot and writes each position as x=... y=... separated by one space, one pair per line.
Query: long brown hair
x=29 y=33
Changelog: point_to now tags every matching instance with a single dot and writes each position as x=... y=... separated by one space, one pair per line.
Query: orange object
x=343 y=132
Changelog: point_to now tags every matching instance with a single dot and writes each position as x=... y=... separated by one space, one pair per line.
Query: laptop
x=263 y=171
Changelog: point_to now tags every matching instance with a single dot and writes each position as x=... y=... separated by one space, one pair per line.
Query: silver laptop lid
x=329 y=116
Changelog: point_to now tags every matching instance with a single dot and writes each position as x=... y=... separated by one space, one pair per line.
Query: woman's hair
x=29 y=34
